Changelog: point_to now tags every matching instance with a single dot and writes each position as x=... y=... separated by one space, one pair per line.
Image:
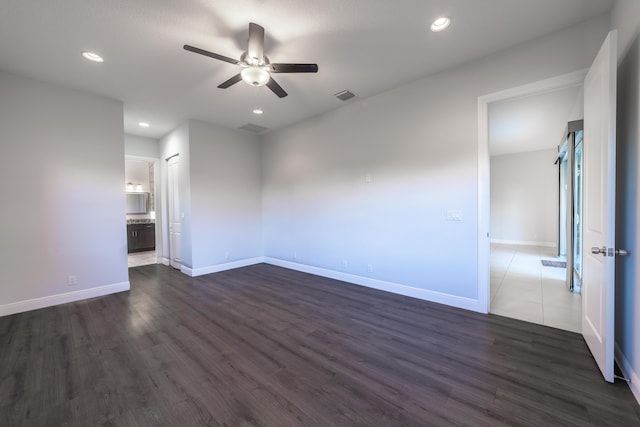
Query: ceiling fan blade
x=211 y=54
x=233 y=80
x=255 y=49
x=276 y=88
x=293 y=68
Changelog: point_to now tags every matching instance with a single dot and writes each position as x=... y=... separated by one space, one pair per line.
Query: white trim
x=484 y=206
x=220 y=267
x=629 y=373
x=524 y=243
x=484 y=201
x=165 y=261
x=423 y=294
x=49 y=301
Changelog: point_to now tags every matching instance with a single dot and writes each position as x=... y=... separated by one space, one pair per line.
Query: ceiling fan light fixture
x=92 y=56
x=440 y=24
x=255 y=76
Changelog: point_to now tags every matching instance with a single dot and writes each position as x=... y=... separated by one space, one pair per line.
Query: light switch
x=454 y=215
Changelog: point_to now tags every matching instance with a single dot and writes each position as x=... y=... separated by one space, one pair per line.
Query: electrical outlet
x=344 y=264
x=72 y=280
x=226 y=255
x=369 y=268
x=367 y=178
x=295 y=255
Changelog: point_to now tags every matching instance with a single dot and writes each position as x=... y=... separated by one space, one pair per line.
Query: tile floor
x=137 y=259
x=522 y=288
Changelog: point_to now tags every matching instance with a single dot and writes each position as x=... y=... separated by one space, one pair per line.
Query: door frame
x=484 y=201
x=169 y=201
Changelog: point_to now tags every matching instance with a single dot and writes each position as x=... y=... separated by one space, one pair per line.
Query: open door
x=598 y=286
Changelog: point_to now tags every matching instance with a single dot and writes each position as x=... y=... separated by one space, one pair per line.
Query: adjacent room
x=530 y=208
x=328 y=213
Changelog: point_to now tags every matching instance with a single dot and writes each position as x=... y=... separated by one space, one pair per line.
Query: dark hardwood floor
x=265 y=346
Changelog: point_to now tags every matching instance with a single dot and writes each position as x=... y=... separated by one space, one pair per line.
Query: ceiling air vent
x=344 y=95
x=253 y=128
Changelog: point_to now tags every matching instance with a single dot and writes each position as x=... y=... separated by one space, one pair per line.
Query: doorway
x=518 y=284
x=598 y=229
x=141 y=200
x=528 y=279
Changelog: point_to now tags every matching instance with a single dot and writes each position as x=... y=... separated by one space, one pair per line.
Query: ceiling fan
x=256 y=68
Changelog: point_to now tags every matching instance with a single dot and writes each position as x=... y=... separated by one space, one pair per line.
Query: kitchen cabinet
x=141 y=237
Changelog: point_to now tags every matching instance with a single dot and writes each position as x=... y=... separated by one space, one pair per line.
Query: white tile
x=511 y=292
x=141 y=258
x=523 y=289
x=494 y=292
x=568 y=318
x=531 y=250
x=556 y=293
x=513 y=276
x=500 y=261
x=546 y=252
x=554 y=273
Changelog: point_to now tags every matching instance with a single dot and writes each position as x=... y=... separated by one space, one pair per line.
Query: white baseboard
x=165 y=261
x=193 y=272
x=629 y=373
x=48 y=301
x=524 y=243
x=423 y=294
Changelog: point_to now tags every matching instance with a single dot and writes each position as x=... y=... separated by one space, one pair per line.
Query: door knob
x=603 y=250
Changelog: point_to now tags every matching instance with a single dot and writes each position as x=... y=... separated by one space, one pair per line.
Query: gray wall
x=524 y=198
x=63 y=201
x=225 y=196
x=418 y=144
x=220 y=195
x=141 y=146
x=626 y=18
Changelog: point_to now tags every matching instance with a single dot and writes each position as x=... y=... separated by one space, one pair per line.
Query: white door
x=175 y=220
x=598 y=287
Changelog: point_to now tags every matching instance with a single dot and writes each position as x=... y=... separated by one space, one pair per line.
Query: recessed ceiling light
x=92 y=56
x=440 y=24
x=143 y=124
x=257 y=111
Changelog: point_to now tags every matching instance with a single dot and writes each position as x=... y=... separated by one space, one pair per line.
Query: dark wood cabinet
x=141 y=237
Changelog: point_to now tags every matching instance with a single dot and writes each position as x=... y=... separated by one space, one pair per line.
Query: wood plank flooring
x=265 y=346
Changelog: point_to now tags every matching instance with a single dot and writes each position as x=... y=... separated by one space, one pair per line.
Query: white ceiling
x=533 y=123
x=366 y=46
